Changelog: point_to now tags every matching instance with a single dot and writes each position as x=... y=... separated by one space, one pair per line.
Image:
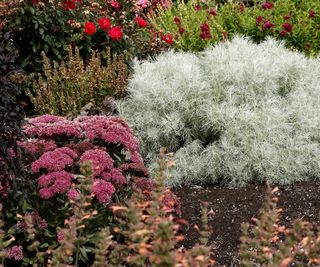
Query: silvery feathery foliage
x=235 y=113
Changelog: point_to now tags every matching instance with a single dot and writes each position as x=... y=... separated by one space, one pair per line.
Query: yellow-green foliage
x=66 y=87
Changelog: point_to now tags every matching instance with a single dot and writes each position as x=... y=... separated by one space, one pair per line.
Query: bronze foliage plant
x=65 y=88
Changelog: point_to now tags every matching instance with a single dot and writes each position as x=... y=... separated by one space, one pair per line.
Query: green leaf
x=44 y=245
x=83 y=254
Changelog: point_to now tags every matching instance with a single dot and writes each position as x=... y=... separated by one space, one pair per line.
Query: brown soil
x=232 y=207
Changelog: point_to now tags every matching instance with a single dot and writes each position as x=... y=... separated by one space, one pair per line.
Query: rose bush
x=53 y=26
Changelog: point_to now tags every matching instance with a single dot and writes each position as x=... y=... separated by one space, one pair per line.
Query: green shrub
x=51 y=26
x=296 y=22
x=67 y=87
x=238 y=112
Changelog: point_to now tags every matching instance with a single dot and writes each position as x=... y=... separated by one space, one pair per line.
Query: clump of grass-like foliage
x=235 y=113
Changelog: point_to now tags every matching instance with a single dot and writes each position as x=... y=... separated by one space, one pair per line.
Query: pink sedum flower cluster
x=65 y=144
x=103 y=190
x=14 y=253
x=55 y=160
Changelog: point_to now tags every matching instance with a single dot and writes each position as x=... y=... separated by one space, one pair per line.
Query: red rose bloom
x=89 y=28
x=115 y=33
x=267 y=5
x=268 y=25
x=167 y=38
x=312 y=14
x=287 y=26
x=259 y=20
x=141 y=22
x=104 y=23
x=69 y=4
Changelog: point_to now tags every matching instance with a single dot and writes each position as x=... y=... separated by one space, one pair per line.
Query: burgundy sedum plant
x=61 y=145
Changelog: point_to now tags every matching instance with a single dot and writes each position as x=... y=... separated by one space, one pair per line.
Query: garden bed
x=231 y=207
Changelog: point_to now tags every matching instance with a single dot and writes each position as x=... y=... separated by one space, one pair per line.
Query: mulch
x=231 y=207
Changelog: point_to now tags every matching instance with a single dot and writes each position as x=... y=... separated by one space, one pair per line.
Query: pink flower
x=15 y=253
x=89 y=28
x=38 y=146
x=312 y=13
x=268 y=25
x=60 y=236
x=54 y=183
x=110 y=130
x=57 y=129
x=267 y=5
x=55 y=160
x=114 y=176
x=103 y=191
x=141 y=22
x=287 y=26
x=100 y=160
x=286 y=17
x=73 y=194
x=115 y=33
x=259 y=19
x=197 y=7
x=46 y=119
x=115 y=4
x=104 y=23
x=143 y=3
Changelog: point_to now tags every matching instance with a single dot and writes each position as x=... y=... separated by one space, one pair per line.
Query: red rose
x=268 y=25
x=69 y=4
x=267 y=5
x=259 y=20
x=167 y=38
x=104 y=23
x=141 y=22
x=312 y=14
x=89 y=28
x=287 y=26
x=115 y=33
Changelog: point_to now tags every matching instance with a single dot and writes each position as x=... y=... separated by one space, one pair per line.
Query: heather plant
x=250 y=118
x=68 y=87
x=266 y=243
x=199 y=24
